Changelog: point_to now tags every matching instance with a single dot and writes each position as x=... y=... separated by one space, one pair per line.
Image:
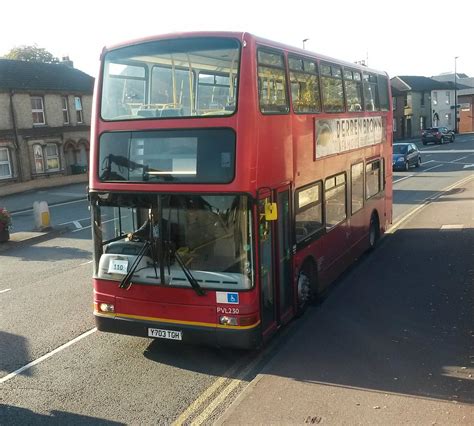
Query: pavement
x=393 y=342
x=21 y=202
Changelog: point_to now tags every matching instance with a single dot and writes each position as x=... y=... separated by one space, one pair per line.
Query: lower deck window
x=309 y=211
x=373 y=178
x=335 y=199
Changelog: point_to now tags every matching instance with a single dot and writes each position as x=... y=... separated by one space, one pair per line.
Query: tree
x=31 y=54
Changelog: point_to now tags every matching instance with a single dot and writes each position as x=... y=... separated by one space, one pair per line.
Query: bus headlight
x=225 y=320
x=106 y=307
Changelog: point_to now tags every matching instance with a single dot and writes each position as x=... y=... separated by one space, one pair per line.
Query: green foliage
x=31 y=54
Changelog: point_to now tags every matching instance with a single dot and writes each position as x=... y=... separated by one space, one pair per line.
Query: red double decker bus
x=232 y=179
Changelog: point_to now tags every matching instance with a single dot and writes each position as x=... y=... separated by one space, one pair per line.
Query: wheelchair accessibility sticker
x=226 y=297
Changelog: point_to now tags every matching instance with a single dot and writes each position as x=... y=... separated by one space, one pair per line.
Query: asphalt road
x=46 y=302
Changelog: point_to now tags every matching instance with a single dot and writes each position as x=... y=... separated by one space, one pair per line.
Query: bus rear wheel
x=307 y=287
x=374 y=231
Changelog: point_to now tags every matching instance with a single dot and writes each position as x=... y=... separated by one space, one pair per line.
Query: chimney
x=66 y=61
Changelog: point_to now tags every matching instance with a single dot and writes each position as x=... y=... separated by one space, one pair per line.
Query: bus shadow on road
x=14 y=353
x=11 y=415
x=201 y=359
x=400 y=321
x=37 y=253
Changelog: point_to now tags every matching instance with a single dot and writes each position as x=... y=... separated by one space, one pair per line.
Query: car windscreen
x=400 y=149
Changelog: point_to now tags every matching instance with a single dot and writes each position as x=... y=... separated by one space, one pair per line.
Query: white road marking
x=55 y=205
x=77 y=224
x=46 y=356
x=424 y=203
x=86 y=263
x=452 y=151
x=90 y=226
x=72 y=221
x=462 y=158
x=403 y=178
x=451 y=227
x=426 y=162
x=466 y=166
x=4 y=291
x=431 y=168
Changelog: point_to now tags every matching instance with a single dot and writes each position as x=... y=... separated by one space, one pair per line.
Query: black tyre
x=307 y=287
x=418 y=162
x=407 y=166
x=374 y=232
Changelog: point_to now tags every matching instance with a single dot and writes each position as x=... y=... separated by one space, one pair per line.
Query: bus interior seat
x=172 y=112
x=149 y=113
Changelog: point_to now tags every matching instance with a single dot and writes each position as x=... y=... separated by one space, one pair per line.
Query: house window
x=37 y=109
x=394 y=103
x=78 y=105
x=422 y=100
x=435 y=98
x=52 y=157
x=38 y=154
x=448 y=98
x=5 y=164
x=65 y=110
x=46 y=158
x=422 y=122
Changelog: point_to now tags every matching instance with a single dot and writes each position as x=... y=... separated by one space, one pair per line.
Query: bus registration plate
x=165 y=334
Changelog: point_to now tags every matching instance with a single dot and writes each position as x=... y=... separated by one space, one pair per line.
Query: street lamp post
x=455 y=96
x=304 y=41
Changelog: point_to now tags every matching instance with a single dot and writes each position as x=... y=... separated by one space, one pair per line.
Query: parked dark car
x=437 y=135
x=405 y=155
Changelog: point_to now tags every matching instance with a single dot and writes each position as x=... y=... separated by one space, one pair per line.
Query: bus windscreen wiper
x=194 y=284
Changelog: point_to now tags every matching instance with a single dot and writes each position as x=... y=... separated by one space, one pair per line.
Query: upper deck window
x=304 y=82
x=331 y=83
x=272 y=84
x=353 y=86
x=171 y=78
x=371 y=94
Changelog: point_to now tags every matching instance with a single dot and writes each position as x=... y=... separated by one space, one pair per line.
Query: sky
x=401 y=37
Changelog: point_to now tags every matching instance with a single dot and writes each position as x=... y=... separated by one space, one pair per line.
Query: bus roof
x=242 y=36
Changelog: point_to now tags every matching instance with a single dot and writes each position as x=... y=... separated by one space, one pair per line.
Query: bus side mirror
x=271 y=211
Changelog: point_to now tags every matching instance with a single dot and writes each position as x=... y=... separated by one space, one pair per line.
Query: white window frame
x=49 y=157
x=38 y=156
x=65 y=109
x=6 y=162
x=39 y=111
x=435 y=98
x=42 y=157
x=79 y=110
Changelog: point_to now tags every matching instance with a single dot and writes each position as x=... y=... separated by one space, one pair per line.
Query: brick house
x=45 y=117
x=421 y=102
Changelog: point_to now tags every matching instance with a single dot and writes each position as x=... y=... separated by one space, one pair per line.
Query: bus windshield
x=171 y=78
x=211 y=236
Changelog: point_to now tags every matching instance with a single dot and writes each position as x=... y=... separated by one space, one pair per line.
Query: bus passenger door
x=283 y=251
x=275 y=263
x=266 y=270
